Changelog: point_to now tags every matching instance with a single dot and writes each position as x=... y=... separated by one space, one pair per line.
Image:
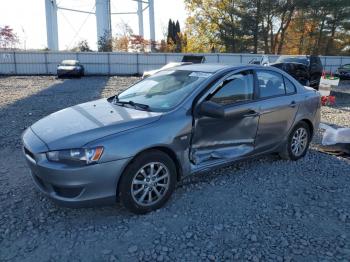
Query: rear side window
x=236 y=88
x=290 y=88
x=270 y=84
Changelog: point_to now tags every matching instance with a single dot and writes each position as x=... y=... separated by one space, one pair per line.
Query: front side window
x=237 y=88
x=270 y=84
x=164 y=90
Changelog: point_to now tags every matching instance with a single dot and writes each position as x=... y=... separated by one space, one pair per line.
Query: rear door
x=278 y=108
x=221 y=139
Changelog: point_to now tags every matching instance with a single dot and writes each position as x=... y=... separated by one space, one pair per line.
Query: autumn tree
x=138 y=43
x=8 y=38
x=269 y=26
x=122 y=38
x=320 y=28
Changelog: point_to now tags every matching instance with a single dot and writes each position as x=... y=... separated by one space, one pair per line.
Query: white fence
x=45 y=63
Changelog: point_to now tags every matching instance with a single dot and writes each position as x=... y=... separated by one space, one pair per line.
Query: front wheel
x=148 y=182
x=297 y=143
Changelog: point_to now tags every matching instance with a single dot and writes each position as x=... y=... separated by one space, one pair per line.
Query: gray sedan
x=135 y=146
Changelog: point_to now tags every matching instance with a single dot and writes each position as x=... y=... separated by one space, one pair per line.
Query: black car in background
x=195 y=59
x=306 y=69
x=70 y=68
x=343 y=72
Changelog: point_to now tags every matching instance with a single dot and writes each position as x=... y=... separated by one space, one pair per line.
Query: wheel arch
x=166 y=150
x=310 y=125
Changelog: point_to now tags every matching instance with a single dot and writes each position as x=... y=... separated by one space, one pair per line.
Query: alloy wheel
x=150 y=184
x=299 y=141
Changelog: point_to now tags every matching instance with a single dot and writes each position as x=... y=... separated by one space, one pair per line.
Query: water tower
x=103 y=19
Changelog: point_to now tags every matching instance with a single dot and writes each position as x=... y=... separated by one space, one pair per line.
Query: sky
x=27 y=18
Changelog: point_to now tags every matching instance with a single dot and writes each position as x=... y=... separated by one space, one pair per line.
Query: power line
x=81 y=26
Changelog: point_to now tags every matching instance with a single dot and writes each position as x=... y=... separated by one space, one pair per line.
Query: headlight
x=76 y=156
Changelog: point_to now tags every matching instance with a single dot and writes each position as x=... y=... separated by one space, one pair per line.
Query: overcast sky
x=27 y=17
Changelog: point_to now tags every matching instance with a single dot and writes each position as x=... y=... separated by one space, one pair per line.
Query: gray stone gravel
x=258 y=210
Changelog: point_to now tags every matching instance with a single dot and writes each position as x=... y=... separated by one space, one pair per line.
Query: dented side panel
x=223 y=139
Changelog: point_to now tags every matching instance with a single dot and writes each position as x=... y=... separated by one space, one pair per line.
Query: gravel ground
x=257 y=210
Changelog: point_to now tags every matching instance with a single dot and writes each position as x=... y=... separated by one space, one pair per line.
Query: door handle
x=293 y=104
x=251 y=113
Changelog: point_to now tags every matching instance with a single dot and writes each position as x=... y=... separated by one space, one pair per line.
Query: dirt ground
x=265 y=209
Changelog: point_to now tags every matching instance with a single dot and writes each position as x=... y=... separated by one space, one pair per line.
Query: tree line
x=127 y=41
x=320 y=27
x=269 y=26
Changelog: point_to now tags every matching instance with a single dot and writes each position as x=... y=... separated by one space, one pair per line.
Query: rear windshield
x=288 y=59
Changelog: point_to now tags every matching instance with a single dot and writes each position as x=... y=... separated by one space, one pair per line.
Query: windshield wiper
x=122 y=103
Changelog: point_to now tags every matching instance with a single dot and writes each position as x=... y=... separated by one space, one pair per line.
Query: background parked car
x=195 y=59
x=263 y=60
x=343 y=72
x=186 y=60
x=306 y=69
x=70 y=68
x=167 y=66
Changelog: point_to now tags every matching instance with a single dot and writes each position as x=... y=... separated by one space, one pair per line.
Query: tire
x=289 y=151
x=137 y=187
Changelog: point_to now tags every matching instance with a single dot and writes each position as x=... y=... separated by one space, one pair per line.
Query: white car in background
x=167 y=66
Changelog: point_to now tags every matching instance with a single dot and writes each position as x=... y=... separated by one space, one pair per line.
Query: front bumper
x=69 y=73
x=78 y=186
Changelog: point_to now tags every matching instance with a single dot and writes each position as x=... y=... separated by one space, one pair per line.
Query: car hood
x=78 y=125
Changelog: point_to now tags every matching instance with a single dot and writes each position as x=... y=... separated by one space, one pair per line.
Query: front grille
x=67 y=192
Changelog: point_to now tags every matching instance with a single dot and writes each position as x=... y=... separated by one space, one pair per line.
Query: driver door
x=219 y=139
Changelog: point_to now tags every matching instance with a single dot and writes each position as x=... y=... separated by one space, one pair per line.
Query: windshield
x=164 y=90
x=69 y=63
x=288 y=59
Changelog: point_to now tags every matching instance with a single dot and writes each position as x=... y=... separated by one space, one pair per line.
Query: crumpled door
x=221 y=139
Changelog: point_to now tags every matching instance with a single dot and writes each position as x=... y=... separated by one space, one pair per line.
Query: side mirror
x=211 y=109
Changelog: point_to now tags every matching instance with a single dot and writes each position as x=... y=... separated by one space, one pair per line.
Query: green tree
x=82 y=46
x=174 y=36
x=105 y=43
x=264 y=25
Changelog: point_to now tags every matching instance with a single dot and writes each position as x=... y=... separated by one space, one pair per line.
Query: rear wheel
x=148 y=182
x=297 y=143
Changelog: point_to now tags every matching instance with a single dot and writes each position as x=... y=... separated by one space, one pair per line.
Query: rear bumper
x=77 y=186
